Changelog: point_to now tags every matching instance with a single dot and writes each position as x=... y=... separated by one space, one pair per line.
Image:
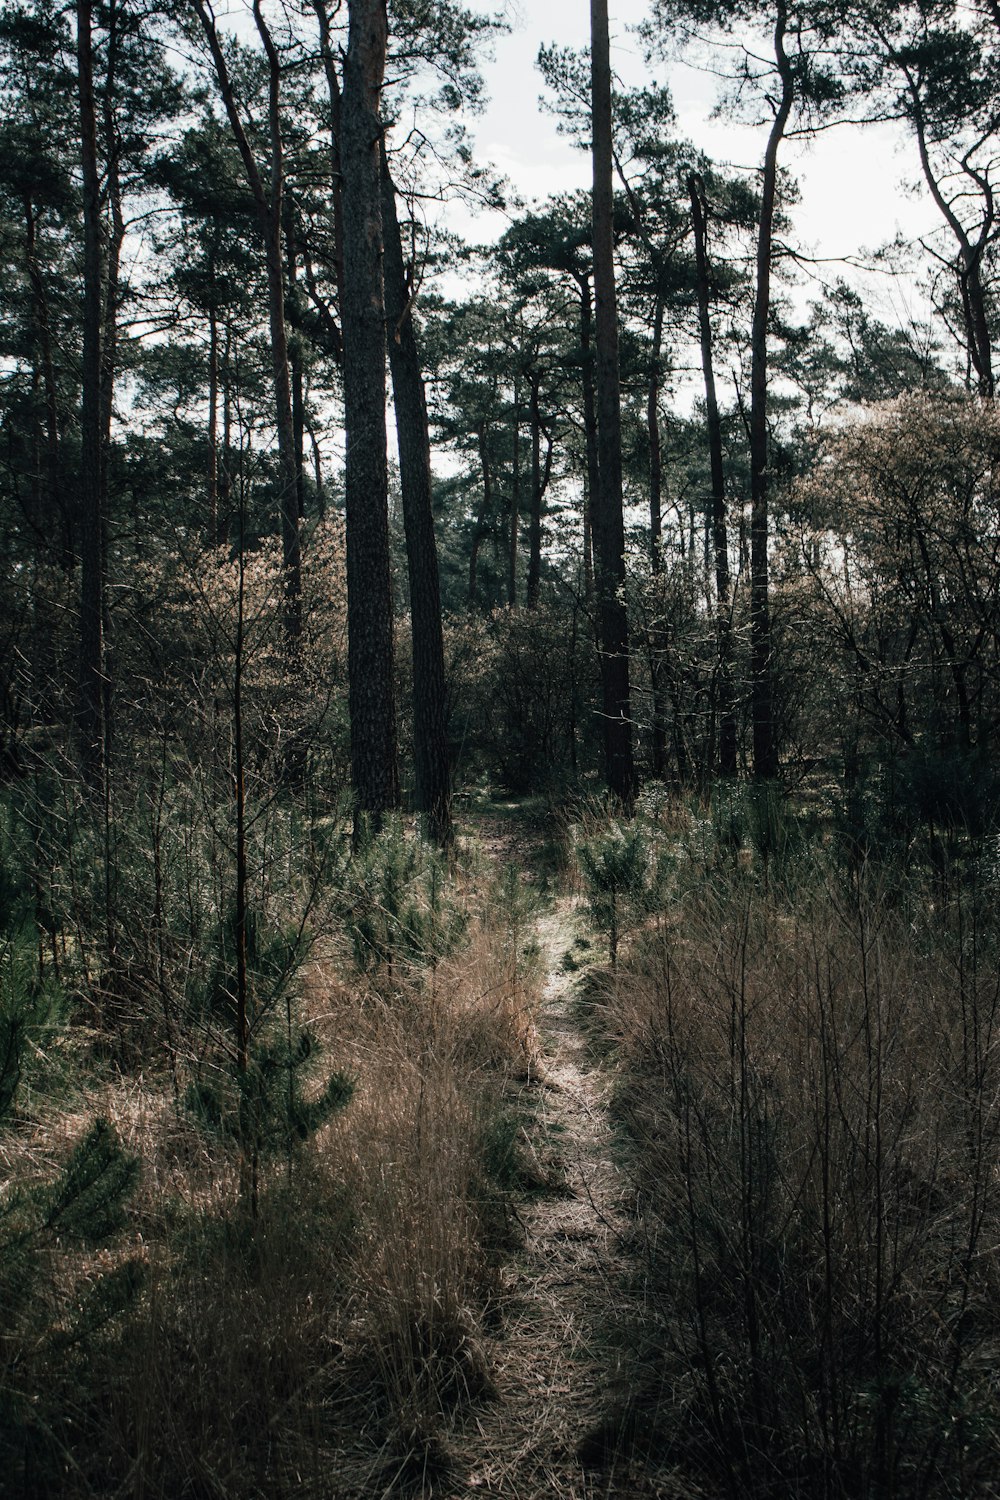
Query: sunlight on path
x=556 y=1358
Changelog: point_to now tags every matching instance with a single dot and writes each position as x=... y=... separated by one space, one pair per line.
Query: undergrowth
x=810 y=1084
x=226 y=1280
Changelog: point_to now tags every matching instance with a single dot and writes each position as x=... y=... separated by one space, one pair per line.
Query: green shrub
x=621 y=879
x=399 y=906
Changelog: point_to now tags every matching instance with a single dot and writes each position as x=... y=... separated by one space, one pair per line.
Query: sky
x=851 y=181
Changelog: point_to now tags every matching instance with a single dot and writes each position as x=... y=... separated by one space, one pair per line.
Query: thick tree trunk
x=608 y=519
x=369 y=586
x=720 y=537
x=765 y=747
x=430 y=728
x=91 y=684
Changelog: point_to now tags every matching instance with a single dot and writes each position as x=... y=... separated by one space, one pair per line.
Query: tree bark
x=658 y=643
x=515 y=500
x=432 y=763
x=91 y=684
x=213 y=529
x=369 y=586
x=534 y=516
x=589 y=431
x=720 y=536
x=765 y=746
x=608 y=518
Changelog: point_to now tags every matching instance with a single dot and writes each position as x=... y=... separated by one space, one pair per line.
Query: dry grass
x=813 y=1093
x=324 y=1344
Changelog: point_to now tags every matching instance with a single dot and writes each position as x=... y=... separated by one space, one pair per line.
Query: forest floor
x=569 y=1304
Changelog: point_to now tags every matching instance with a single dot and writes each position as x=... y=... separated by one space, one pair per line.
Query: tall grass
x=331 y=1329
x=812 y=1088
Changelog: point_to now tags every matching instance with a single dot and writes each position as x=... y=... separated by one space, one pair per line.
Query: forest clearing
x=499 y=925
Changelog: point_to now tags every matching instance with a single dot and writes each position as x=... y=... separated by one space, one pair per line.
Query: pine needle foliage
x=398 y=906
x=622 y=880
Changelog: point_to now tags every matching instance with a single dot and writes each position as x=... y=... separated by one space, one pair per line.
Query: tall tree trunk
x=658 y=642
x=90 y=704
x=430 y=728
x=655 y=448
x=369 y=585
x=295 y=369
x=609 y=525
x=225 y=469
x=535 y=513
x=213 y=417
x=515 y=500
x=765 y=746
x=116 y=238
x=589 y=431
x=720 y=536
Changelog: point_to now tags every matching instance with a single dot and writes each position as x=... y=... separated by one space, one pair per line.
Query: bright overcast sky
x=851 y=181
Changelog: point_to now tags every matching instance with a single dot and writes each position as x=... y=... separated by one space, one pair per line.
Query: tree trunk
x=658 y=643
x=969 y=265
x=535 y=513
x=90 y=704
x=369 y=585
x=720 y=537
x=336 y=183
x=609 y=526
x=485 y=509
x=515 y=500
x=765 y=747
x=213 y=530
x=589 y=432
x=430 y=729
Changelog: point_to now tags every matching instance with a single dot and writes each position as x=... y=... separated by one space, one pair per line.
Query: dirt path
x=556 y=1356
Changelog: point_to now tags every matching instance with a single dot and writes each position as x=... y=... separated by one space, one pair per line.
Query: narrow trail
x=556 y=1356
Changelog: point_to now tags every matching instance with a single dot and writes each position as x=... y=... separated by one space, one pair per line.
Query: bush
x=812 y=1093
x=398 y=904
x=621 y=880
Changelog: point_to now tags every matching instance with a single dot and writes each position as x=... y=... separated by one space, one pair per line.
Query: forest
x=499 y=843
